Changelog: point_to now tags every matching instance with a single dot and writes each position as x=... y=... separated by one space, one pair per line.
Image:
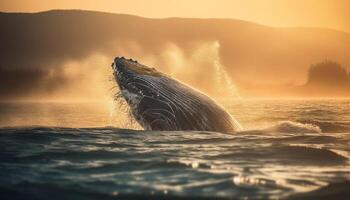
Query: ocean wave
x=285 y=127
x=293 y=127
x=291 y=155
x=330 y=126
x=108 y=160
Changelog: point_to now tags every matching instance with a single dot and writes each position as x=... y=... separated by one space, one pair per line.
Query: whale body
x=159 y=102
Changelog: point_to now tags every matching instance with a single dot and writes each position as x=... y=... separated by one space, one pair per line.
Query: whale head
x=133 y=79
x=137 y=85
x=159 y=102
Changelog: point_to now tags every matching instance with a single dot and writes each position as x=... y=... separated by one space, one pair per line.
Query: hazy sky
x=317 y=13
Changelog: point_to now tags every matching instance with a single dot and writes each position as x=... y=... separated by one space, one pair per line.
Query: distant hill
x=250 y=53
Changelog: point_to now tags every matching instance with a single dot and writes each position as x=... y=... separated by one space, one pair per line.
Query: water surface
x=55 y=150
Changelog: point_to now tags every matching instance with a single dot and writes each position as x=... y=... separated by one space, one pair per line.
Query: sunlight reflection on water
x=257 y=163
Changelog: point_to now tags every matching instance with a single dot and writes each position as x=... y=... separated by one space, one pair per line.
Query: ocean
x=289 y=149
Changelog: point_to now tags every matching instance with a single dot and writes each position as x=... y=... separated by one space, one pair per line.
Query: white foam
x=293 y=127
x=285 y=127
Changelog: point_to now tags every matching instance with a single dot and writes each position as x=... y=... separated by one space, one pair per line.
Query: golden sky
x=316 y=13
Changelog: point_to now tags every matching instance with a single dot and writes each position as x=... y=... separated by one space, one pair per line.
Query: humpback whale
x=159 y=102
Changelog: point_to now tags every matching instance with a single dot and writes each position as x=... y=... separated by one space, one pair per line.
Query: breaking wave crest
x=293 y=127
x=287 y=127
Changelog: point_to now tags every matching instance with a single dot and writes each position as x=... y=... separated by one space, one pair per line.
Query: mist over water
x=199 y=66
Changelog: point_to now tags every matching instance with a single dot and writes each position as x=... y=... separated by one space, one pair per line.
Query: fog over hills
x=62 y=50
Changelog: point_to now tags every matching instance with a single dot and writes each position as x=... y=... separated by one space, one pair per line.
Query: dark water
x=276 y=157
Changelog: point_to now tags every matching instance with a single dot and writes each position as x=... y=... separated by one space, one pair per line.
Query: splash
x=199 y=66
x=223 y=79
x=90 y=79
x=287 y=127
x=202 y=69
x=293 y=127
